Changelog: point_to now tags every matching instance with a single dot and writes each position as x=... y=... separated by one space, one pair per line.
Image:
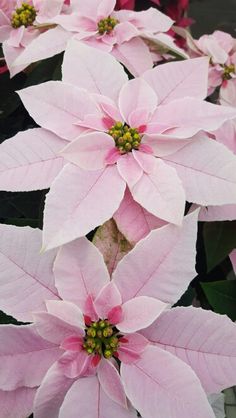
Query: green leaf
x=222 y=296
x=219 y=241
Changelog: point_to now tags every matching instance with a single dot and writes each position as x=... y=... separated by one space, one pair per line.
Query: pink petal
x=209 y=176
x=72 y=344
x=78 y=212
x=50 y=8
x=97 y=122
x=92 y=401
x=146 y=161
x=136 y=94
x=64 y=103
x=139 y=117
x=204 y=340
x=228 y=94
x=80 y=272
x=76 y=364
x=170 y=141
x=211 y=47
x=131 y=347
x=151 y=20
x=16 y=37
x=26 y=276
x=140 y=312
x=54 y=329
x=194 y=113
x=224 y=39
x=226 y=135
x=87 y=8
x=67 y=311
x=134 y=55
x=161 y=193
x=108 y=297
x=124 y=32
x=161 y=265
x=105 y=8
x=92 y=69
x=160 y=382
x=25 y=357
x=111 y=383
x=115 y=315
x=89 y=151
x=30 y=161
x=50 y=396
x=45 y=45
x=133 y=220
x=108 y=106
x=10 y=55
x=129 y=169
x=17 y=403
x=176 y=80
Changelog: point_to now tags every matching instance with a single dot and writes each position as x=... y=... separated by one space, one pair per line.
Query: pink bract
x=56 y=22
x=158 y=347
x=175 y=160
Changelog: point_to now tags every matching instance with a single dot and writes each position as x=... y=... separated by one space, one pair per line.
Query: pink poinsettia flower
x=140 y=134
x=226 y=135
x=166 y=356
x=220 y=47
x=22 y=23
x=124 y=33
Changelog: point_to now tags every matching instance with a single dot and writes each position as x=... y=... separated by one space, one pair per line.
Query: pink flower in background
x=220 y=47
x=27 y=22
x=225 y=135
x=143 y=134
x=49 y=26
x=70 y=351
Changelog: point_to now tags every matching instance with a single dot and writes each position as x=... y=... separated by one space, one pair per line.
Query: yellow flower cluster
x=23 y=16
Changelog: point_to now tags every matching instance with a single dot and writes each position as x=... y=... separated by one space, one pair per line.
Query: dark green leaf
x=219 y=241
x=222 y=296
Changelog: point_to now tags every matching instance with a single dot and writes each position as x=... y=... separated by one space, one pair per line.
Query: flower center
x=101 y=338
x=125 y=138
x=107 y=25
x=23 y=16
x=228 y=70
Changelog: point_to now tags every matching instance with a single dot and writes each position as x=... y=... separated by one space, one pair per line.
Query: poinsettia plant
x=117 y=211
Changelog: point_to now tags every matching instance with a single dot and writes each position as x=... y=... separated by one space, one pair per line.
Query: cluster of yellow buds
x=23 y=16
x=107 y=25
x=125 y=138
x=228 y=71
x=101 y=338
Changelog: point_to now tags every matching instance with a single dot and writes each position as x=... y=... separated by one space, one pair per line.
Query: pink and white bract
x=70 y=352
x=161 y=153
